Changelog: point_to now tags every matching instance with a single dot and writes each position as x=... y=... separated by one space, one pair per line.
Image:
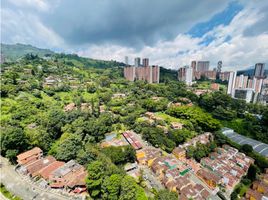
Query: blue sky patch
x=224 y=17
x=207 y=40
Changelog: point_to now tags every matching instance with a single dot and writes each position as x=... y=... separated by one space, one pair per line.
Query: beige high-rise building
x=129 y=73
x=202 y=66
x=151 y=74
x=259 y=70
x=241 y=81
x=224 y=76
x=145 y=62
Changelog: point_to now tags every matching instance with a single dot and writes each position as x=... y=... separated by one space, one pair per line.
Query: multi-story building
x=241 y=81
x=263 y=96
x=246 y=94
x=251 y=90
x=126 y=60
x=202 y=66
x=30 y=156
x=147 y=73
x=137 y=62
x=231 y=83
x=145 y=62
x=259 y=70
x=201 y=69
x=130 y=72
x=193 y=65
x=224 y=76
x=185 y=74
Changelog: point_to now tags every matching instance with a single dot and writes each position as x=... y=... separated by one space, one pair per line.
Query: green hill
x=13 y=52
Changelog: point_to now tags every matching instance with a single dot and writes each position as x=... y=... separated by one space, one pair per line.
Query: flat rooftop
x=257 y=146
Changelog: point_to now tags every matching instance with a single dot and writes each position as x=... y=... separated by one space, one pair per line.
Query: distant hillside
x=250 y=71
x=13 y=52
x=168 y=74
x=75 y=60
x=247 y=72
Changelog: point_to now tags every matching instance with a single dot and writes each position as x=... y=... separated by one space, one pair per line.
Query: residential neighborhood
x=69 y=176
x=134 y=100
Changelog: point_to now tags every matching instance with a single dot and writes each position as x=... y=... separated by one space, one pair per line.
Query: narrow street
x=151 y=180
x=21 y=187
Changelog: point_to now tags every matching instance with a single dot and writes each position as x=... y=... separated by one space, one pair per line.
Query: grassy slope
x=13 y=52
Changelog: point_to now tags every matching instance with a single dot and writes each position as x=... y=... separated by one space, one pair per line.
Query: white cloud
x=237 y=53
x=41 y=5
x=21 y=27
x=22 y=24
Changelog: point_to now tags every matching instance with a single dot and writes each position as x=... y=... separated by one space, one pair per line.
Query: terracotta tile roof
x=39 y=164
x=208 y=175
x=205 y=194
x=56 y=185
x=178 y=150
x=77 y=179
x=67 y=168
x=27 y=154
x=45 y=172
x=252 y=193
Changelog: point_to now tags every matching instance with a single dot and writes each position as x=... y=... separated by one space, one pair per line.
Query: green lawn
x=7 y=194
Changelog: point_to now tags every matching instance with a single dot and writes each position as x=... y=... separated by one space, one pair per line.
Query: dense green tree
x=13 y=138
x=196 y=115
x=55 y=120
x=111 y=187
x=87 y=154
x=246 y=148
x=11 y=155
x=180 y=136
x=252 y=172
x=157 y=138
x=190 y=152
x=95 y=178
x=155 y=105
x=120 y=155
x=67 y=147
x=128 y=188
x=166 y=195
x=91 y=88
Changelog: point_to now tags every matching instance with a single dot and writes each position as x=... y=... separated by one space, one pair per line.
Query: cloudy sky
x=169 y=32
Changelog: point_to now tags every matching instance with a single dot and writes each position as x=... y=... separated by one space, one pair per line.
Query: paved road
x=151 y=179
x=23 y=188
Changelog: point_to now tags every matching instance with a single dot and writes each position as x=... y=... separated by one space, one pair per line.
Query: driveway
x=22 y=187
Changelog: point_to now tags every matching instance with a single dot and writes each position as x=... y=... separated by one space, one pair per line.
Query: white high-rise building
x=231 y=83
x=185 y=74
x=189 y=75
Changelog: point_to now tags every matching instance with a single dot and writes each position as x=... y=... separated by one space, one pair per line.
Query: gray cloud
x=135 y=23
x=260 y=26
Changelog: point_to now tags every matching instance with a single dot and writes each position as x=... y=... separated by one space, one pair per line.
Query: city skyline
x=171 y=38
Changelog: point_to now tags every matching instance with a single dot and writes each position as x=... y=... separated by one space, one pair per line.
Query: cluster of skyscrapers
x=250 y=88
x=142 y=71
x=196 y=71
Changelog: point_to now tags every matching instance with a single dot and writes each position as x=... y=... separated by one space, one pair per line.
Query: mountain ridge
x=13 y=52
